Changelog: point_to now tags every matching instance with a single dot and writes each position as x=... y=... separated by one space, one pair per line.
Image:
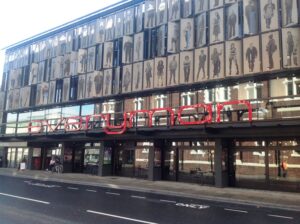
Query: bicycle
x=57 y=168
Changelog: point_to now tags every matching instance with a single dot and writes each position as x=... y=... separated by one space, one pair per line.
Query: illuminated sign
x=85 y=123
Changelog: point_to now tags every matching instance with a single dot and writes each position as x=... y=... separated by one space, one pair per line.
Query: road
x=44 y=202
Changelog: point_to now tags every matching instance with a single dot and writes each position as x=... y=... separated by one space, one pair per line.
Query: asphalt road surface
x=43 y=202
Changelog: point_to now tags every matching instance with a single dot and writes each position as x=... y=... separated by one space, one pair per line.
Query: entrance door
x=78 y=161
x=124 y=162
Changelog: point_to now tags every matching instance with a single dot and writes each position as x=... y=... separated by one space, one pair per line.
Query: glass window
x=160 y=101
x=70 y=111
x=117 y=58
x=11 y=117
x=292 y=86
x=87 y=109
x=33 y=95
x=53 y=113
x=58 y=91
x=150 y=43
x=254 y=90
x=73 y=88
x=188 y=98
x=38 y=115
x=108 y=107
x=24 y=116
x=138 y=103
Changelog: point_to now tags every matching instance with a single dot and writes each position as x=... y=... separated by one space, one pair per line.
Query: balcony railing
x=271 y=109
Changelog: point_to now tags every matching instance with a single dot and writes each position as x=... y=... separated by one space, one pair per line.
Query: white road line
x=139 y=197
x=120 y=217
x=73 y=188
x=112 y=193
x=167 y=201
x=234 y=210
x=27 y=199
x=280 y=216
x=89 y=190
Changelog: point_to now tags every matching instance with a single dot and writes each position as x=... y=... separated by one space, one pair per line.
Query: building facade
x=195 y=91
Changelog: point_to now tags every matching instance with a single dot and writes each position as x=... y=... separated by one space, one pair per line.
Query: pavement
x=257 y=198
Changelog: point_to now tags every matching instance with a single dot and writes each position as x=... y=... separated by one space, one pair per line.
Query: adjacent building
x=196 y=91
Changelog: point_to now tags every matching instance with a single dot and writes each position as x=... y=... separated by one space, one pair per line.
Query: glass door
x=250 y=168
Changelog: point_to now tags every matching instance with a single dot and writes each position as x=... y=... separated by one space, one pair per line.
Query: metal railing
x=271 y=109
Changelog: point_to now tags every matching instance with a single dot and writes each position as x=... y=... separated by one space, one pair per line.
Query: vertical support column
x=101 y=160
x=30 y=155
x=155 y=163
x=151 y=164
x=105 y=155
x=221 y=163
x=3 y=156
x=62 y=155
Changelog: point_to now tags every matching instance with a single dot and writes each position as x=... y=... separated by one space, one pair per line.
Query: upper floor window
x=254 y=90
x=292 y=85
x=108 y=107
x=188 y=98
x=219 y=94
x=138 y=103
x=160 y=101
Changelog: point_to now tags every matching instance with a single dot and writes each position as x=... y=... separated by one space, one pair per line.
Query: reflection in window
x=87 y=109
x=292 y=86
x=138 y=103
x=70 y=111
x=188 y=98
x=254 y=90
x=219 y=94
x=108 y=107
x=160 y=101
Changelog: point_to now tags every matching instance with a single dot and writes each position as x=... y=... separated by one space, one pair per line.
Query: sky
x=20 y=19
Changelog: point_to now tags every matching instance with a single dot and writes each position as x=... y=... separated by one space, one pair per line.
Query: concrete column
x=221 y=163
x=3 y=157
x=151 y=175
x=101 y=160
x=30 y=155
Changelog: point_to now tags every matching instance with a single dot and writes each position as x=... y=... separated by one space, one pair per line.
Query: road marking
x=194 y=206
x=234 y=210
x=73 y=188
x=112 y=193
x=41 y=184
x=120 y=217
x=89 y=190
x=139 y=197
x=27 y=199
x=167 y=201
x=280 y=216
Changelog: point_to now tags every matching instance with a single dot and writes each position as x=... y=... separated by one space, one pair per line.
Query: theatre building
x=195 y=91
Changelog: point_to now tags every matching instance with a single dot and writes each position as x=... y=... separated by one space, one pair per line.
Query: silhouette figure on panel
x=216 y=26
x=202 y=60
x=271 y=48
x=173 y=67
x=251 y=55
x=160 y=73
x=186 y=68
x=232 y=19
x=148 y=72
x=233 y=59
x=251 y=16
x=216 y=61
x=269 y=13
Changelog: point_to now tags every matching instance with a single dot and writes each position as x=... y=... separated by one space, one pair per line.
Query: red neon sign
x=78 y=123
